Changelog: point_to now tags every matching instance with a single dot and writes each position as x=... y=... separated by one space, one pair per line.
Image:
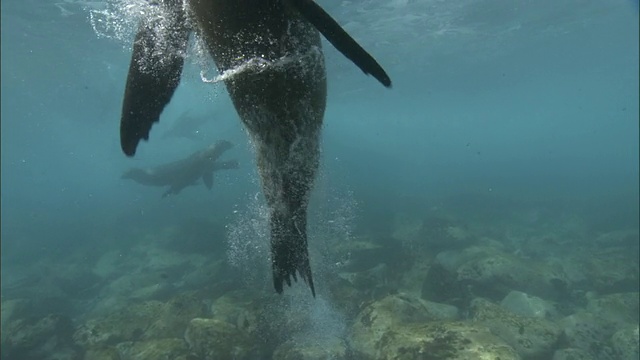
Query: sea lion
x=180 y=174
x=279 y=93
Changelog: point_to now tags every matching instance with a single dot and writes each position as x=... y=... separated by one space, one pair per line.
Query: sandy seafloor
x=467 y=277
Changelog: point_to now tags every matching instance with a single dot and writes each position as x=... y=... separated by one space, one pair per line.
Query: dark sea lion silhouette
x=180 y=174
x=280 y=95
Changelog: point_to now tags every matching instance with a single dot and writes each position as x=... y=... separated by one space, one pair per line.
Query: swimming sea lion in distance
x=280 y=96
x=180 y=174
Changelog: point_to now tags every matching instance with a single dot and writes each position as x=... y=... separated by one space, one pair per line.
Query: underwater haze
x=497 y=179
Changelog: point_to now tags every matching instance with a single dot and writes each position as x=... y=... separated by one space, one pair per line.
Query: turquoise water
x=504 y=161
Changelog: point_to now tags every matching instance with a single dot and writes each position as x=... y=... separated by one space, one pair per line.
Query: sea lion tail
x=289 y=250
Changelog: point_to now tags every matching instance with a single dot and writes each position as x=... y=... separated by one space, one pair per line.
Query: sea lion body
x=282 y=108
x=183 y=173
x=278 y=88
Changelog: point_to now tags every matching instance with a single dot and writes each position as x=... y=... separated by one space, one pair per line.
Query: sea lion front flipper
x=154 y=73
x=208 y=179
x=339 y=38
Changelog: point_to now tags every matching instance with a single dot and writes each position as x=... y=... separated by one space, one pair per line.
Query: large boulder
x=625 y=343
x=312 y=348
x=528 y=305
x=48 y=338
x=572 y=354
x=218 y=339
x=402 y=327
x=158 y=349
x=144 y=321
x=531 y=337
x=431 y=234
x=492 y=273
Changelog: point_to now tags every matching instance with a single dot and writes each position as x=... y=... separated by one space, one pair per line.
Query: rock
x=111 y=263
x=175 y=317
x=572 y=354
x=138 y=285
x=158 y=349
x=374 y=281
x=102 y=353
x=13 y=309
x=437 y=340
x=407 y=230
x=47 y=338
x=373 y=265
x=587 y=332
x=402 y=308
x=593 y=330
x=147 y=271
x=527 y=305
x=621 y=308
x=605 y=271
x=495 y=275
x=202 y=276
x=439 y=233
x=492 y=273
x=413 y=277
x=298 y=317
x=532 y=338
x=77 y=282
x=238 y=308
x=442 y=285
x=402 y=327
x=323 y=348
x=345 y=296
x=217 y=339
x=148 y=320
x=127 y=324
x=271 y=320
x=618 y=239
x=156 y=258
x=44 y=295
x=360 y=253
x=432 y=234
x=625 y=343
x=157 y=290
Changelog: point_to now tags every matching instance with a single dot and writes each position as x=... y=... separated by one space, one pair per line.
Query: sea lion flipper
x=207 y=177
x=154 y=73
x=289 y=252
x=339 y=38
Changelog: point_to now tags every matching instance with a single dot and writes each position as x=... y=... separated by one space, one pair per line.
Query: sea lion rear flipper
x=154 y=73
x=289 y=252
x=339 y=38
x=208 y=179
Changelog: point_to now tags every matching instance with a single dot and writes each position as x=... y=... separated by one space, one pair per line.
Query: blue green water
x=513 y=121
